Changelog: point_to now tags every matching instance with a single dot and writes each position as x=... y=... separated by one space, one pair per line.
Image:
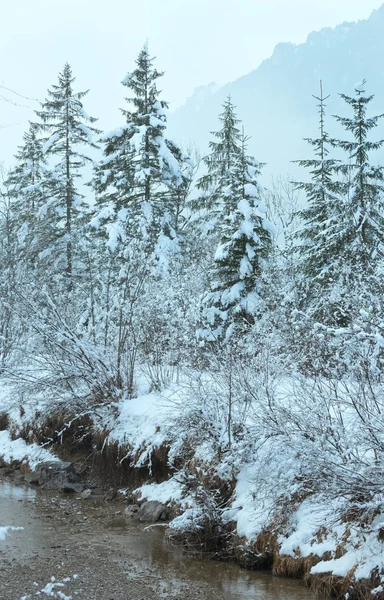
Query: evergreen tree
x=29 y=170
x=12 y=275
x=363 y=224
x=68 y=130
x=140 y=181
x=342 y=237
x=245 y=241
x=157 y=160
x=318 y=239
x=27 y=185
x=113 y=184
x=141 y=184
x=225 y=149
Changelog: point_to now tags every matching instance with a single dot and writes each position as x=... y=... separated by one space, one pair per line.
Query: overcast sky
x=195 y=42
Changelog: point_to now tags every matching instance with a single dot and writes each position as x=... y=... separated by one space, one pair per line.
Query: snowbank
x=143 y=424
x=166 y=492
x=18 y=449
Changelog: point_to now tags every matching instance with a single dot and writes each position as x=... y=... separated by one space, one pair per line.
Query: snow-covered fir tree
x=317 y=239
x=225 y=149
x=339 y=245
x=27 y=185
x=234 y=300
x=11 y=275
x=140 y=182
x=362 y=229
x=113 y=185
x=157 y=160
x=356 y=276
x=67 y=135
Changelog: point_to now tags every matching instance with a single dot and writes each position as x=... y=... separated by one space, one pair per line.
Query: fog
x=195 y=43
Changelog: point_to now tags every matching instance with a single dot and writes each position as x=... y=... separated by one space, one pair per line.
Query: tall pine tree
x=245 y=242
x=342 y=239
x=27 y=185
x=318 y=240
x=225 y=149
x=68 y=132
x=140 y=180
x=363 y=224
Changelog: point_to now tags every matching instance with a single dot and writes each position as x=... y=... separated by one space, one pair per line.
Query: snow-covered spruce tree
x=67 y=132
x=12 y=274
x=355 y=242
x=346 y=239
x=363 y=226
x=234 y=299
x=342 y=238
x=140 y=182
x=21 y=199
x=225 y=149
x=113 y=182
x=317 y=241
x=27 y=186
x=157 y=160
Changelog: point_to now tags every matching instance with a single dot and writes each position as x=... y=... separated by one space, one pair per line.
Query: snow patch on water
x=4 y=531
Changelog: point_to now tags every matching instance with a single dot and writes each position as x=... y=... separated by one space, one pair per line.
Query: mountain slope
x=275 y=100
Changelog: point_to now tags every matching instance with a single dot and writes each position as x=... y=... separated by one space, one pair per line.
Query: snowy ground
x=19 y=450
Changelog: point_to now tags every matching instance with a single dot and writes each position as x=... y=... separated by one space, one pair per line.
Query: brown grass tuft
x=25 y=467
x=294 y=567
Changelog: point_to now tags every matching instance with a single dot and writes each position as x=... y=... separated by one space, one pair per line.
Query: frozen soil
x=112 y=558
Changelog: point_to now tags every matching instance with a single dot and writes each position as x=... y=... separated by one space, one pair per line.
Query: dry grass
x=293 y=567
x=264 y=553
x=266 y=543
x=329 y=586
x=249 y=557
x=25 y=467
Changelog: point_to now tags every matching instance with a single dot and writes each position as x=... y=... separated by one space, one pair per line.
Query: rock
x=152 y=511
x=85 y=494
x=72 y=488
x=56 y=475
x=111 y=494
x=32 y=478
x=131 y=510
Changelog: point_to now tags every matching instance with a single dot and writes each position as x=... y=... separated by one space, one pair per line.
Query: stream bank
x=296 y=532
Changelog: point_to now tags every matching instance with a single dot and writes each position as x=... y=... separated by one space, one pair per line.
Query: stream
x=94 y=553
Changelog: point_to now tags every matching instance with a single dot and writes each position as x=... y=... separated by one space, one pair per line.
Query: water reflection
x=226 y=579
x=97 y=529
x=232 y=582
x=16 y=492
